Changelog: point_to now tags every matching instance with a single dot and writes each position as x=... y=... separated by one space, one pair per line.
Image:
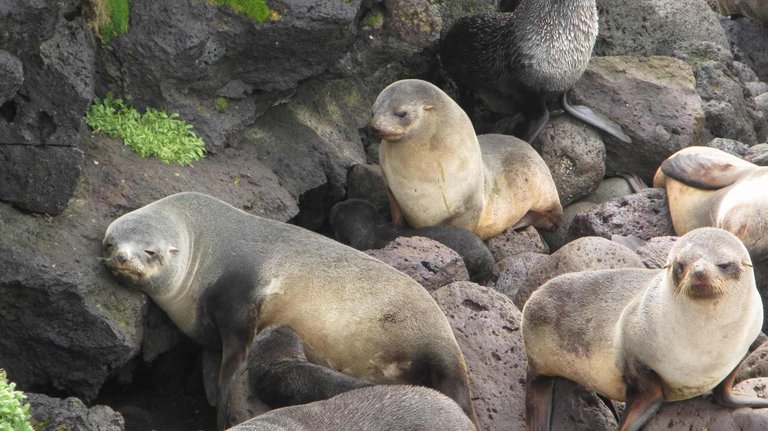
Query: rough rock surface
x=749 y=42
x=654 y=99
x=511 y=241
x=12 y=71
x=425 y=260
x=644 y=214
x=487 y=326
x=654 y=27
x=655 y=251
x=579 y=255
x=558 y=237
x=754 y=365
x=366 y=181
x=55 y=414
x=575 y=155
x=576 y=409
x=513 y=270
x=610 y=188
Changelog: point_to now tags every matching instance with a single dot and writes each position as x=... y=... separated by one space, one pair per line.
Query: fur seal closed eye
x=514 y=59
x=222 y=275
x=709 y=187
x=646 y=336
x=358 y=224
x=439 y=172
x=378 y=408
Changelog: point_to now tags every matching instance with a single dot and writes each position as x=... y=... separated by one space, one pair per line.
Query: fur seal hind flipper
x=595 y=119
x=645 y=395
x=280 y=375
x=538 y=402
x=723 y=394
x=702 y=171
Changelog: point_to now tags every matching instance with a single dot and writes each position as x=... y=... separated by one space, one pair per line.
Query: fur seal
x=709 y=187
x=646 y=336
x=513 y=60
x=755 y=9
x=222 y=275
x=378 y=408
x=357 y=223
x=439 y=172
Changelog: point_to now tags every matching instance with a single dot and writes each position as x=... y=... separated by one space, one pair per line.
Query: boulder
x=511 y=241
x=749 y=43
x=576 y=409
x=655 y=251
x=558 y=237
x=54 y=414
x=513 y=270
x=654 y=99
x=487 y=326
x=366 y=181
x=754 y=365
x=13 y=76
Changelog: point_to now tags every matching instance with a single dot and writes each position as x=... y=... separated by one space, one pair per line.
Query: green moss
x=152 y=134
x=14 y=412
x=255 y=9
x=374 y=21
x=222 y=103
x=109 y=18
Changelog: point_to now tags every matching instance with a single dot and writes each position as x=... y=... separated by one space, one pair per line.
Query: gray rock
x=731 y=146
x=511 y=242
x=701 y=414
x=513 y=270
x=558 y=237
x=655 y=101
x=655 y=251
x=487 y=326
x=749 y=42
x=654 y=27
x=12 y=72
x=54 y=414
x=610 y=188
x=575 y=155
x=644 y=214
x=425 y=260
x=758 y=154
x=579 y=255
x=39 y=179
x=366 y=181
x=577 y=409
x=754 y=365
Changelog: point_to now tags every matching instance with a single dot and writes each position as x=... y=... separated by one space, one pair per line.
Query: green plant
x=110 y=18
x=153 y=134
x=255 y=9
x=14 y=412
x=222 y=103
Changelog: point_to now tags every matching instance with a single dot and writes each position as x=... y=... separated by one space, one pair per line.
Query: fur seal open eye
x=646 y=336
x=221 y=274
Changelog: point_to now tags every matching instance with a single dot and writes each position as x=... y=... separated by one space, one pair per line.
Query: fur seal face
x=138 y=252
x=708 y=265
x=399 y=110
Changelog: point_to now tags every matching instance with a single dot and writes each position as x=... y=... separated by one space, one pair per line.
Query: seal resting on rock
x=513 y=60
x=439 y=172
x=358 y=224
x=222 y=275
x=646 y=336
x=378 y=408
x=709 y=187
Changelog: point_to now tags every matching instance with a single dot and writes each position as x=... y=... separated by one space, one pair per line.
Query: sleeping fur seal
x=709 y=187
x=646 y=336
x=222 y=275
x=439 y=172
x=358 y=224
x=513 y=60
x=378 y=408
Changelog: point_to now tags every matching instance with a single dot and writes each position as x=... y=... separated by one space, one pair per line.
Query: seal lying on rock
x=222 y=275
x=514 y=59
x=646 y=336
x=378 y=408
x=439 y=172
x=709 y=187
x=358 y=224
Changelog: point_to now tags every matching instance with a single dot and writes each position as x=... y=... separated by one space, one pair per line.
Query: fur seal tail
x=595 y=119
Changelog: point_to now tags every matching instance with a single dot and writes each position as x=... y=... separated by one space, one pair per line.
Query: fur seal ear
x=173 y=249
x=429 y=107
x=701 y=171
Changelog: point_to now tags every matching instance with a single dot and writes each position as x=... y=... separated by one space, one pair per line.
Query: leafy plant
x=153 y=134
x=255 y=9
x=110 y=18
x=222 y=103
x=14 y=412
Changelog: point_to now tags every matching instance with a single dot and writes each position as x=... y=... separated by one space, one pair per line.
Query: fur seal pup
x=358 y=224
x=646 y=336
x=378 y=408
x=222 y=275
x=709 y=187
x=513 y=60
x=439 y=172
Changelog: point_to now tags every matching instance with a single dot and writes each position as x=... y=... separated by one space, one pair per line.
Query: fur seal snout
x=439 y=172
x=646 y=336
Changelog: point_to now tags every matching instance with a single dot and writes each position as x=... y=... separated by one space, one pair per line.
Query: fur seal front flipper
x=595 y=119
x=705 y=171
